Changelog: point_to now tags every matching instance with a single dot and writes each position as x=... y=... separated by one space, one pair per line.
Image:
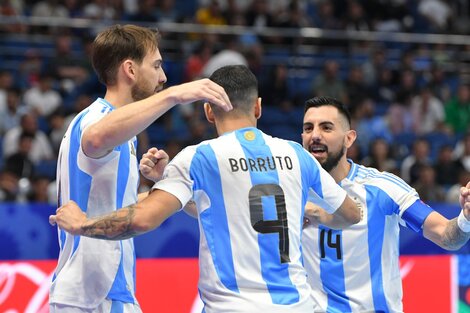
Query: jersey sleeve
x=415 y=215
x=176 y=177
x=404 y=199
x=94 y=114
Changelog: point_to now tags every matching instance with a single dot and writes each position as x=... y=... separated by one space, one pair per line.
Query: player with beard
x=357 y=269
x=98 y=168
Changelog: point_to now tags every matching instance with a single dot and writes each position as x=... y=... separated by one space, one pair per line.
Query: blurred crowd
x=410 y=102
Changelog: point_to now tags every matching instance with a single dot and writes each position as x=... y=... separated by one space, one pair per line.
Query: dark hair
x=241 y=86
x=117 y=43
x=317 y=102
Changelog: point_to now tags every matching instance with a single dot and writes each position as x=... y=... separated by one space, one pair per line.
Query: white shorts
x=107 y=306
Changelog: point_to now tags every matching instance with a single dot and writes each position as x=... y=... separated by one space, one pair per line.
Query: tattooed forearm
x=454 y=238
x=114 y=226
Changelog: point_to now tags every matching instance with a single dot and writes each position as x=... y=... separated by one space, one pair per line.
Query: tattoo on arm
x=454 y=238
x=114 y=226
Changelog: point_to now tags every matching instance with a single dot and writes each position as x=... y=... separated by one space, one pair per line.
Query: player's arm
x=347 y=214
x=340 y=219
x=126 y=122
x=121 y=224
x=450 y=234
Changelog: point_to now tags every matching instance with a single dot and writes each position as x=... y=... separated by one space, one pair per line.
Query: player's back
x=250 y=193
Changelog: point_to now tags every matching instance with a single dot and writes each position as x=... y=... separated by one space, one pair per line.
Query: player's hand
x=202 y=89
x=464 y=200
x=153 y=163
x=69 y=217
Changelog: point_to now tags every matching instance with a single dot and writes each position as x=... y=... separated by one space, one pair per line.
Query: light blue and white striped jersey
x=250 y=190
x=357 y=269
x=89 y=270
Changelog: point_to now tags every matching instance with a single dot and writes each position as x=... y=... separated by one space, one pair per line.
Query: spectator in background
x=43 y=99
x=437 y=13
x=464 y=159
x=457 y=110
x=399 y=114
x=259 y=17
x=41 y=149
x=427 y=187
x=325 y=17
x=419 y=157
x=19 y=162
x=452 y=195
x=40 y=190
x=11 y=9
x=437 y=82
x=380 y=156
x=231 y=54
x=370 y=126
x=356 y=18
x=145 y=12
x=9 y=186
x=6 y=82
x=103 y=10
x=383 y=90
x=275 y=89
x=70 y=68
x=446 y=167
x=166 y=11
x=10 y=115
x=30 y=68
x=48 y=9
x=197 y=60
x=427 y=112
x=328 y=83
x=356 y=89
x=210 y=14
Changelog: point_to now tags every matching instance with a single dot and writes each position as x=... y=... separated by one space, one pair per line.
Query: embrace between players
x=284 y=227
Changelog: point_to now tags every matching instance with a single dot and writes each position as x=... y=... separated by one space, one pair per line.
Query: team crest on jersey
x=249 y=135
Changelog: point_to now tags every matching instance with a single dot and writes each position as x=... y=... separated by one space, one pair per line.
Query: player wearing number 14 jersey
x=356 y=269
x=250 y=190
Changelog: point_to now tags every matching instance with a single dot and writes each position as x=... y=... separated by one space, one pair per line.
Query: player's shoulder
x=384 y=180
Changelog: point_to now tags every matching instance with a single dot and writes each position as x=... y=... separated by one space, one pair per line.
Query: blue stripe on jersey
x=332 y=269
x=118 y=290
x=415 y=215
x=215 y=216
x=117 y=307
x=376 y=199
x=80 y=182
x=274 y=273
x=123 y=172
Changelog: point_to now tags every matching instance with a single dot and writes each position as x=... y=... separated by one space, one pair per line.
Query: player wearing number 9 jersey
x=357 y=269
x=250 y=190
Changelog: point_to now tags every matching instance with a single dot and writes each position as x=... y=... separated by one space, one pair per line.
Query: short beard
x=138 y=93
x=332 y=160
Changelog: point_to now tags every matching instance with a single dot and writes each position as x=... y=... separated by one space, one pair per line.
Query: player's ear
x=128 y=69
x=351 y=136
x=209 y=113
x=258 y=109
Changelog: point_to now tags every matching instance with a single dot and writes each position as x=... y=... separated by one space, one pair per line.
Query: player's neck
x=341 y=171
x=118 y=97
x=230 y=125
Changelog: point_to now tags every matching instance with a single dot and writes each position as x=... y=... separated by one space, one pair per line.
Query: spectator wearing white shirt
x=43 y=99
x=41 y=148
